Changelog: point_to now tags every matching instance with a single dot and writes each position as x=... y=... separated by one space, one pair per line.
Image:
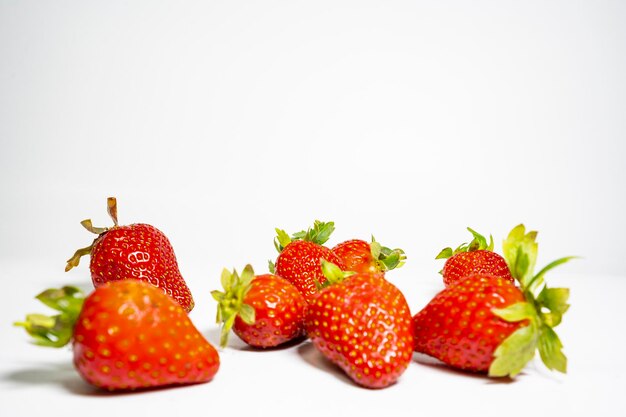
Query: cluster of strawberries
x=133 y=330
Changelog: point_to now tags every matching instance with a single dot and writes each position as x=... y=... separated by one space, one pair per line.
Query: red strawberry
x=360 y=256
x=127 y=335
x=300 y=258
x=362 y=323
x=264 y=310
x=137 y=251
x=474 y=258
x=484 y=323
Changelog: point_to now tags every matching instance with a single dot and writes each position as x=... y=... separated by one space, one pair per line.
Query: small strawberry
x=126 y=335
x=362 y=323
x=301 y=255
x=137 y=251
x=264 y=311
x=484 y=323
x=361 y=256
x=477 y=257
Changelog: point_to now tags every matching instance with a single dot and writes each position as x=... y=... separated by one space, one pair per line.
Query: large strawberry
x=484 y=323
x=361 y=256
x=264 y=311
x=126 y=335
x=362 y=323
x=301 y=255
x=138 y=251
x=476 y=257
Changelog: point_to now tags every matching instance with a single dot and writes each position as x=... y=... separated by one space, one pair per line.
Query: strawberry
x=474 y=258
x=137 y=251
x=301 y=255
x=361 y=256
x=264 y=311
x=484 y=323
x=362 y=323
x=126 y=335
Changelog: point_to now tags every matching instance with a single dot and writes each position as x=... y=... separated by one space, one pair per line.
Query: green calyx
x=387 y=258
x=319 y=234
x=231 y=300
x=112 y=211
x=543 y=309
x=56 y=330
x=479 y=242
x=334 y=274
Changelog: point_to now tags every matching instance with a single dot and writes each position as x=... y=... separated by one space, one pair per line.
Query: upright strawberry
x=137 y=251
x=477 y=257
x=264 y=310
x=126 y=335
x=301 y=255
x=484 y=323
x=362 y=323
x=361 y=256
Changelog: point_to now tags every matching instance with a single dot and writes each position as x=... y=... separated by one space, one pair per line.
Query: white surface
x=37 y=381
x=217 y=121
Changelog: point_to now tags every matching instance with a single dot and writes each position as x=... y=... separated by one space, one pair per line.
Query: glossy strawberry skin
x=458 y=326
x=279 y=312
x=130 y=335
x=300 y=263
x=142 y=252
x=464 y=264
x=363 y=325
x=357 y=256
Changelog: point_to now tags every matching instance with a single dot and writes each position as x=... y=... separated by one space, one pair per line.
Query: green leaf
x=538 y=279
x=231 y=300
x=550 y=350
x=320 y=233
x=479 y=241
x=515 y=352
x=225 y=279
x=281 y=240
x=516 y=312
x=555 y=300
x=445 y=253
x=333 y=273
x=520 y=252
x=271 y=266
x=247 y=314
x=57 y=330
x=375 y=249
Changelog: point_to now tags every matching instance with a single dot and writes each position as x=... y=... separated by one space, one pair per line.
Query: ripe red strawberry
x=264 y=311
x=137 y=251
x=362 y=324
x=484 y=323
x=301 y=255
x=127 y=335
x=474 y=258
x=361 y=256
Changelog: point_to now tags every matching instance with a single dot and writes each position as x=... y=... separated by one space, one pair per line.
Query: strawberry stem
x=319 y=234
x=231 y=300
x=57 y=330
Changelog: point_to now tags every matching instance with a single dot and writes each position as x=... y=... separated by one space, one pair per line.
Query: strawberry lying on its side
x=126 y=335
x=362 y=323
x=137 y=251
x=264 y=311
x=484 y=323
x=301 y=255
x=477 y=257
x=361 y=256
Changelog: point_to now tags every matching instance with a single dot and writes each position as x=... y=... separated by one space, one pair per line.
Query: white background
x=217 y=121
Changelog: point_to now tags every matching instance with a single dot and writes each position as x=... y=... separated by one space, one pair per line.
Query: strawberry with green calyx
x=301 y=255
x=264 y=310
x=361 y=256
x=484 y=323
x=125 y=335
x=137 y=251
x=475 y=257
x=361 y=323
